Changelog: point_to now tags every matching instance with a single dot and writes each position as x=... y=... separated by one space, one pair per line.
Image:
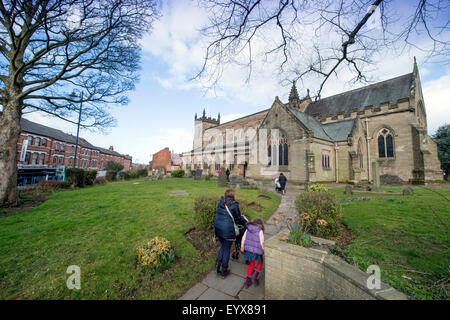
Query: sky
x=162 y=107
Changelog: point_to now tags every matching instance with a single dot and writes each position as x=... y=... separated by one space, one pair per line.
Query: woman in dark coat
x=282 y=180
x=224 y=229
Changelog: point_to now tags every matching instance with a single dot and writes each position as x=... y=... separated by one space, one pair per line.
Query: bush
x=112 y=168
x=156 y=254
x=178 y=173
x=75 y=177
x=89 y=177
x=127 y=175
x=51 y=185
x=141 y=173
x=100 y=180
x=205 y=213
x=320 y=213
x=317 y=188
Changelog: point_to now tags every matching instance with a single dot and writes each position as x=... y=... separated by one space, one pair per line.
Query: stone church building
x=333 y=139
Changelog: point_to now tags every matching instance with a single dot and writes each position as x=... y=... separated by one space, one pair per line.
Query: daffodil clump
x=156 y=254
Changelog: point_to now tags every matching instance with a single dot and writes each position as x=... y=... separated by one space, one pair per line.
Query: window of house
x=37 y=141
x=30 y=140
x=385 y=143
x=27 y=157
x=41 y=158
x=44 y=142
x=34 y=160
x=57 y=146
x=54 y=160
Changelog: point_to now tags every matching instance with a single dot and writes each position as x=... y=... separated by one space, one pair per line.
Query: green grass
x=98 y=229
x=406 y=236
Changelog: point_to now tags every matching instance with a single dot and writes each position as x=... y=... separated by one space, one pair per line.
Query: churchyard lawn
x=406 y=236
x=98 y=229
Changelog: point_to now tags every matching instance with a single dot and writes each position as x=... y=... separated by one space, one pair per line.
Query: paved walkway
x=213 y=287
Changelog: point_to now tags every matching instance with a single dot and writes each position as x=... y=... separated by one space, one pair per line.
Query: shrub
x=100 y=180
x=156 y=254
x=317 y=188
x=51 y=185
x=141 y=173
x=178 y=173
x=320 y=213
x=75 y=176
x=112 y=168
x=127 y=175
x=89 y=177
x=205 y=213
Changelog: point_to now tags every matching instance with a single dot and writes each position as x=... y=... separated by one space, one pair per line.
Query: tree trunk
x=9 y=136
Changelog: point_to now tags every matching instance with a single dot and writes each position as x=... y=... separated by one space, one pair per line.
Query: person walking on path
x=225 y=227
x=228 y=174
x=282 y=180
x=253 y=248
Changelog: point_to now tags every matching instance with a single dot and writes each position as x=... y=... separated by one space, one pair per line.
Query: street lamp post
x=78 y=129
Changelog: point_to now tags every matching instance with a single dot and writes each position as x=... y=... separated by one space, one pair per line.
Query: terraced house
x=42 y=149
x=333 y=139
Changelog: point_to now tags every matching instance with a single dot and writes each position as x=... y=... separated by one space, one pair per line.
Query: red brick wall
x=162 y=160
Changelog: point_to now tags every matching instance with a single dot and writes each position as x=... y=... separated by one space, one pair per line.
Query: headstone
x=222 y=179
x=376 y=176
x=408 y=191
x=198 y=174
x=149 y=178
x=348 y=190
x=160 y=177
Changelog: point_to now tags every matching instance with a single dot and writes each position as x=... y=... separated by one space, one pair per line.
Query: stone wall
x=294 y=272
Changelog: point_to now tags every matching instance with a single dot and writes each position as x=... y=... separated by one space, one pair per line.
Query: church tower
x=201 y=125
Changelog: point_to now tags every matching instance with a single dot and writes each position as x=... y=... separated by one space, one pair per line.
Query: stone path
x=213 y=287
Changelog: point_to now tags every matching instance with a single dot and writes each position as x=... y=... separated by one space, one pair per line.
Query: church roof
x=372 y=95
x=333 y=132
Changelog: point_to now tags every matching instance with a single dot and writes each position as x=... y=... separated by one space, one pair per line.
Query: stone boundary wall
x=293 y=272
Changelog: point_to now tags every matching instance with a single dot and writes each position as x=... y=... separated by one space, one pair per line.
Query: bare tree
x=49 y=48
x=317 y=39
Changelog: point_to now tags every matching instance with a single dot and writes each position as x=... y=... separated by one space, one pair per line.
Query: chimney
x=111 y=148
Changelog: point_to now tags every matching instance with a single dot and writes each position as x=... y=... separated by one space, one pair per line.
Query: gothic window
x=385 y=144
x=278 y=155
x=326 y=159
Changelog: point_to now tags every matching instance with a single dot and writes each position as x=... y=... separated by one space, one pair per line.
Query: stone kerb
x=295 y=272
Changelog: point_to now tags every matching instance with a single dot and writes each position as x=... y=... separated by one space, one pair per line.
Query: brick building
x=333 y=139
x=165 y=161
x=42 y=146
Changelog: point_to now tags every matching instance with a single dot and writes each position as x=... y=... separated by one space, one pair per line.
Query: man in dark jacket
x=224 y=229
x=282 y=180
x=228 y=174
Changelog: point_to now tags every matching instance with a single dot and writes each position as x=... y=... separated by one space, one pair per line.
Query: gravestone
x=198 y=174
x=408 y=191
x=348 y=190
x=222 y=179
x=376 y=176
x=160 y=177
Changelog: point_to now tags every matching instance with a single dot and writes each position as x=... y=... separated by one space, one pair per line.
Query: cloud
x=231 y=116
x=178 y=140
x=436 y=95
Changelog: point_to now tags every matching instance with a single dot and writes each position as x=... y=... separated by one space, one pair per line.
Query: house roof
x=372 y=95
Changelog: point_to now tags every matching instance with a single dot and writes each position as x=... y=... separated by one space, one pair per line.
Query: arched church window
x=385 y=144
x=277 y=149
